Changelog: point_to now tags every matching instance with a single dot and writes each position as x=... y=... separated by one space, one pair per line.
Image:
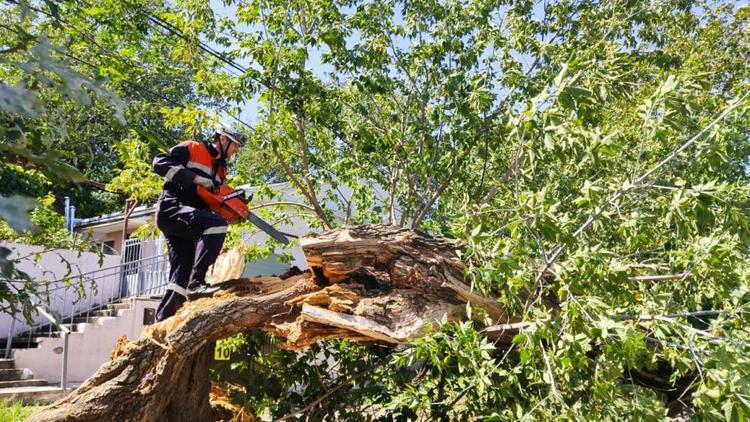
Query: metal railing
x=78 y=298
x=66 y=335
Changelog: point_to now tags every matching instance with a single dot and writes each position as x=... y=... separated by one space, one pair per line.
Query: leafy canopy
x=594 y=152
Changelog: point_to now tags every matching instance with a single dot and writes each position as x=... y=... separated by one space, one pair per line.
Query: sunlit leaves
x=135 y=179
x=521 y=128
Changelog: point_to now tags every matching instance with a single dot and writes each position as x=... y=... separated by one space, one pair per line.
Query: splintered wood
x=229 y=265
x=395 y=316
x=371 y=283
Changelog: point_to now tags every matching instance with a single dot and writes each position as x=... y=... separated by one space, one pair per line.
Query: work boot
x=201 y=290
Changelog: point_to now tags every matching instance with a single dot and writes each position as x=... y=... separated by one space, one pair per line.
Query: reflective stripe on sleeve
x=199 y=166
x=215 y=230
x=171 y=172
x=177 y=289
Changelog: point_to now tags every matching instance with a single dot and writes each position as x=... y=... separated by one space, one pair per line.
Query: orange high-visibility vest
x=202 y=162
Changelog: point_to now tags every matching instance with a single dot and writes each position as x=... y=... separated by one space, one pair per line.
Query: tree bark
x=196 y=387
x=374 y=283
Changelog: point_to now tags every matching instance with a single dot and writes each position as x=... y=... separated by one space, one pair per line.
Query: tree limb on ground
x=373 y=283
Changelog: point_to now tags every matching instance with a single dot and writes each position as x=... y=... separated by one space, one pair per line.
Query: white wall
x=47 y=267
x=88 y=349
x=286 y=193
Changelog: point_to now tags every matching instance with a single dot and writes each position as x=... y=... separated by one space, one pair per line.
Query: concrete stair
x=20 y=385
x=77 y=324
x=12 y=374
x=90 y=342
x=23 y=383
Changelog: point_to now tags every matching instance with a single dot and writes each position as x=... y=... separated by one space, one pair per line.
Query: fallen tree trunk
x=375 y=283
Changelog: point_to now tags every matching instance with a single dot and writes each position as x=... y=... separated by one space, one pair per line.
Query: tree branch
x=330 y=392
x=426 y=207
x=558 y=250
x=306 y=168
x=666 y=277
x=282 y=203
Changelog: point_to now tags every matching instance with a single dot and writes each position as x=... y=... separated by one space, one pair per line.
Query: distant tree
x=73 y=85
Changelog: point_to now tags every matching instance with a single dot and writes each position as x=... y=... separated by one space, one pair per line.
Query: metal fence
x=143 y=271
x=143 y=277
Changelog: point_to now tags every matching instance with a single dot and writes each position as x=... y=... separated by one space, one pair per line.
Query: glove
x=205 y=182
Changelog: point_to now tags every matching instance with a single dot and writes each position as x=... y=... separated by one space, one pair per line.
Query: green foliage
x=73 y=86
x=135 y=179
x=147 y=230
x=48 y=228
x=15 y=180
x=291 y=380
x=449 y=375
x=572 y=147
x=77 y=99
x=594 y=153
x=16 y=411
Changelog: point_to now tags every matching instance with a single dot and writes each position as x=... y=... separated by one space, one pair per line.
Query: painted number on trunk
x=221 y=351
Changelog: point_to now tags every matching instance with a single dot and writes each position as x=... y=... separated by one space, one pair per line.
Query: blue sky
x=249 y=113
x=249 y=109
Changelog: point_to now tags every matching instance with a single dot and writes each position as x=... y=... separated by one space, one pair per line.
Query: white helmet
x=234 y=134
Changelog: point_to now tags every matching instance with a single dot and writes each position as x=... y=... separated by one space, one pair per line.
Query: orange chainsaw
x=232 y=205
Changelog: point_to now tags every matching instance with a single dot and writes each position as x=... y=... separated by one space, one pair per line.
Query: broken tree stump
x=372 y=283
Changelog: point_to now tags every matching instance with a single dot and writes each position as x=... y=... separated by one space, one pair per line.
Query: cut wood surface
x=372 y=283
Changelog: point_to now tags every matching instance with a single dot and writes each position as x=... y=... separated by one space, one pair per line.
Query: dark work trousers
x=195 y=238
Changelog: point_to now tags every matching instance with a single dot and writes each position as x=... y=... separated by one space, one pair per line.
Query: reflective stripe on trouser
x=195 y=238
x=215 y=230
x=181 y=254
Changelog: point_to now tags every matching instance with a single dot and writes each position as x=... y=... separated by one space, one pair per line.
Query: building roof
x=114 y=218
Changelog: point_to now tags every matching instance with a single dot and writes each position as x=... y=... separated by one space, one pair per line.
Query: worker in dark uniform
x=194 y=234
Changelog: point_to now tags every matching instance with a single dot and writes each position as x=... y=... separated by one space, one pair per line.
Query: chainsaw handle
x=235 y=194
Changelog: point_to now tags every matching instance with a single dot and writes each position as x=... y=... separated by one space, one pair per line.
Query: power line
x=171 y=29
x=127 y=62
x=205 y=48
x=221 y=56
x=177 y=32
